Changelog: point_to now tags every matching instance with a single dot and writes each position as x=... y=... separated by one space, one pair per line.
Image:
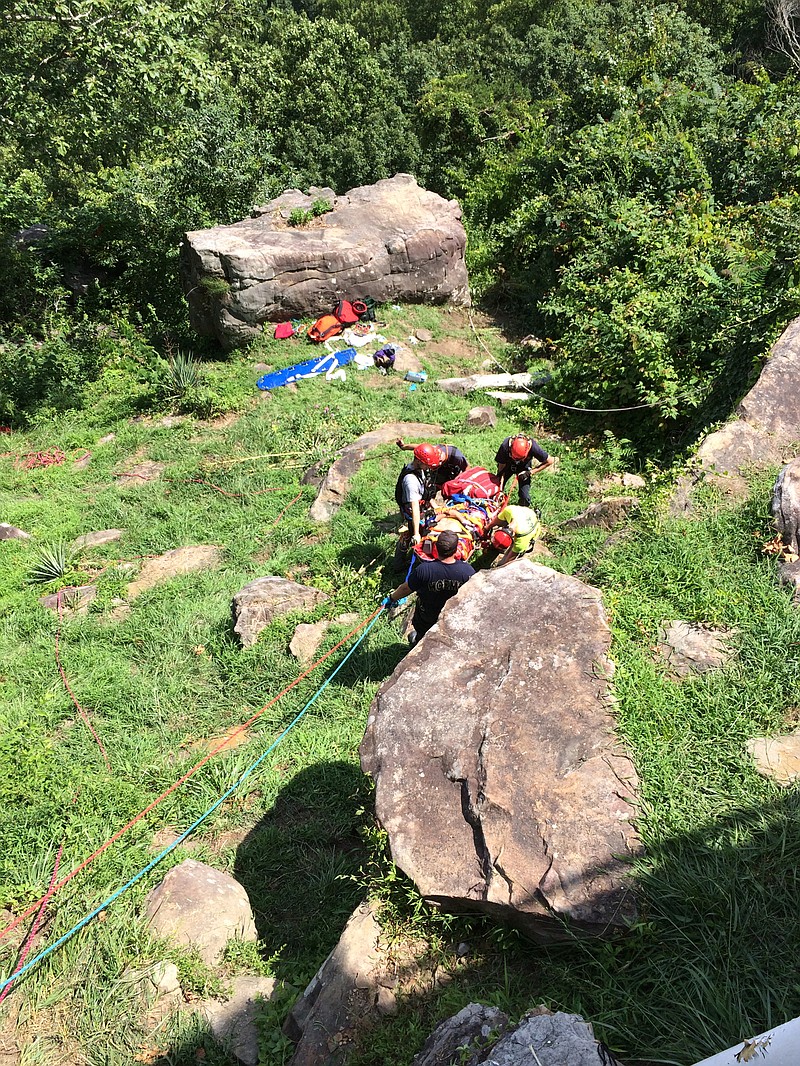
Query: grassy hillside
x=712 y=958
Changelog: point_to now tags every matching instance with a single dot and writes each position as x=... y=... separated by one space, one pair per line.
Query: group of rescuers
x=513 y=532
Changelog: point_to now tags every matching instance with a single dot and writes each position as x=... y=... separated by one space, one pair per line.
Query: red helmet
x=428 y=455
x=501 y=539
x=520 y=447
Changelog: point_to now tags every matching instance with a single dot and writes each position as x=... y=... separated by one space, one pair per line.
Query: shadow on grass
x=711 y=961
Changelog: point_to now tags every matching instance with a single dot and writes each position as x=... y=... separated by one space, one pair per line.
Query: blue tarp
x=308 y=369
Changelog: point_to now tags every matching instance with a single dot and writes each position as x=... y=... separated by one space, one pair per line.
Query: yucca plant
x=183 y=374
x=51 y=562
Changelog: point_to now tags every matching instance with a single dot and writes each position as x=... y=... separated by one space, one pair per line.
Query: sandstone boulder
x=234 y=1021
x=261 y=601
x=482 y=417
x=336 y=483
x=174 y=563
x=777 y=757
x=95 y=540
x=307 y=638
x=71 y=600
x=390 y=241
x=786 y=505
x=506 y=792
x=605 y=514
x=200 y=907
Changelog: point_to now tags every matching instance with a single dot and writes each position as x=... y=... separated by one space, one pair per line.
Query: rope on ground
x=197 y=481
x=189 y=774
x=26 y=947
x=366 y=625
x=61 y=670
x=555 y=403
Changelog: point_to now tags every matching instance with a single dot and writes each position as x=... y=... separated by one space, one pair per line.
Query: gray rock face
x=690 y=648
x=786 y=505
x=8 y=532
x=605 y=514
x=201 y=907
x=482 y=417
x=554 y=1039
x=74 y=599
x=464 y=386
x=336 y=483
x=259 y=602
x=508 y=794
x=391 y=241
x=468 y=1033
x=233 y=1022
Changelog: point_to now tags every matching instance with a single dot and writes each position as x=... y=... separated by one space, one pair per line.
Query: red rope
x=51 y=458
x=189 y=773
x=283 y=512
x=61 y=670
x=35 y=927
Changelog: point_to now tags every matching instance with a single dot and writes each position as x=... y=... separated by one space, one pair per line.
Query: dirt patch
x=222 y=421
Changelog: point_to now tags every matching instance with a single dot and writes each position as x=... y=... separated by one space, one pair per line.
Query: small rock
x=386 y=1002
x=75 y=599
x=606 y=514
x=94 y=540
x=261 y=368
x=233 y=1022
x=174 y=563
x=307 y=638
x=777 y=757
x=423 y=335
x=141 y=473
x=482 y=417
x=8 y=532
x=201 y=907
x=347 y=619
x=690 y=648
x=462 y=950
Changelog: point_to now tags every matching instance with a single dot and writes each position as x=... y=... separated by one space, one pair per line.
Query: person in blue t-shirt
x=434 y=582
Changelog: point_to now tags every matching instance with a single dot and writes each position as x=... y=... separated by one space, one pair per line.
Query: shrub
x=299 y=217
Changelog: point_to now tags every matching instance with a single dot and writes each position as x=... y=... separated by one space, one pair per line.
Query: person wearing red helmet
x=514 y=532
x=435 y=582
x=515 y=456
x=452 y=461
x=414 y=491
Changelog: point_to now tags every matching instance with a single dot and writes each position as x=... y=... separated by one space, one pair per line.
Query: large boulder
x=336 y=483
x=259 y=602
x=786 y=505
x=504 y=789
x=391 y=241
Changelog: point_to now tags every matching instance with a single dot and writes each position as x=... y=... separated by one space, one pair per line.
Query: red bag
x=345 y=313
x=325 y=328
x=476 y=483
x=284 y=330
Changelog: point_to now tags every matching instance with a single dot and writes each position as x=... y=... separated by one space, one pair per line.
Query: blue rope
x=171 y=847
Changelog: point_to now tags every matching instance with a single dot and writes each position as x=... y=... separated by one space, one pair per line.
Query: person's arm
x=403 y=446
x=509 y=557
x=503 y=472
x=416 y=536
x=548 y=464
x=400 y=592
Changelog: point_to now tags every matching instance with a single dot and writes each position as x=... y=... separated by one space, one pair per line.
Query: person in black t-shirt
x=434 y=582
x=515 y=456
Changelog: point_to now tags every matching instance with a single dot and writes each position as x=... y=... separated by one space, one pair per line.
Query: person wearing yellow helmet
x=513 y=533
x=516 y=456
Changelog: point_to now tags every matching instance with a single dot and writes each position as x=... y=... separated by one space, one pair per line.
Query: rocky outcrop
x=259 y=602
x=389 y=241
x=691 y=648
x=507 y=793
x=605 y=514
x=765 y=433
x=200 y=907
x=336 y=483
x=482 y=417
x=480 y=1035
x=95 y=540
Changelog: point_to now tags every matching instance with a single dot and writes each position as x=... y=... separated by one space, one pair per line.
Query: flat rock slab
x=200 y=907
x=390 y=241
x=690 y=648
x=95 y=540
x=517 y=801
x=615 y=482
x=258 y=603
x=777 y=757
x=8 y=532
x=75 y=599
x=233 y=1022
x=141 y=473
x=174 y=563
x=336 y=483
x=307 y=638
x=464 y=386
x=605 y=514
x=485 y=417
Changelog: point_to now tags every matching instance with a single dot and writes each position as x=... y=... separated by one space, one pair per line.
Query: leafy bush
x=299 y=217
x=321 y=207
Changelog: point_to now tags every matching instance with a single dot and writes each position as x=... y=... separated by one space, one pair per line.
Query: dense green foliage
x=629 y=171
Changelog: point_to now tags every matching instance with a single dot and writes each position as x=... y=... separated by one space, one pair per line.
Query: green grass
x=713 y=955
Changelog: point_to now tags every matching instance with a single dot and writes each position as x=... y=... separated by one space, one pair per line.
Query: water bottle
x=417 y=376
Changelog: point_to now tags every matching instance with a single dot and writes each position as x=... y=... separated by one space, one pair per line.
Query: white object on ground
x=363 y=361
x=336 y=375
x=776 y=1047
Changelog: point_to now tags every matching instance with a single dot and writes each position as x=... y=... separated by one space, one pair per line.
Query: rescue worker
x=453 y=462
x=413 y=492
x=515 y=456
x=435 y=582
x=514 y=533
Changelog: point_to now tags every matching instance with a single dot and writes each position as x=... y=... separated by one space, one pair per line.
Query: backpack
x=324 y=328
x=475 y=483
x=345 y=313
x=284 y=330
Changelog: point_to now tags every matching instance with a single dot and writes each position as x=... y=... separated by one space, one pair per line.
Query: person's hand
x=416 y=539
x=400 y=442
